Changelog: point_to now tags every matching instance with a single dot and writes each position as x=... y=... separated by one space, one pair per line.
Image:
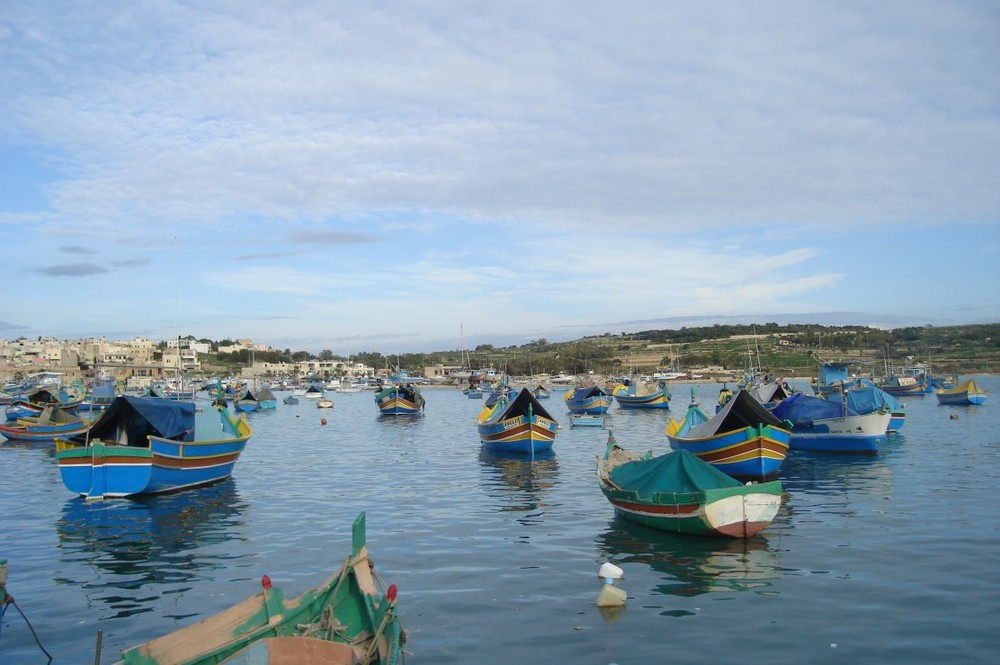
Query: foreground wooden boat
x=678 y=492
x=743 y=439
x=347 y=619
x=519 y=424
x=53 y=422
x=400 y=400
x=967 y=393
x=151 y=445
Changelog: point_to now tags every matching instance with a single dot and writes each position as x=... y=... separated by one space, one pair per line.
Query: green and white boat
x=678 y=492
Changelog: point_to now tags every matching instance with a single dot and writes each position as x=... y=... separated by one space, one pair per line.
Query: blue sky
x=361 y=176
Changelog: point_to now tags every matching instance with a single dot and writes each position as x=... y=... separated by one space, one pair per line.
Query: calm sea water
x=886 y=559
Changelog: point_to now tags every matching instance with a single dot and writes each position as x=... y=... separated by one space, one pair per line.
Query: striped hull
x=752 y=453
x=104 y=469
x=397 y=406
x=657 y=400
x=960 y=399
x=40 y=433
x=518 y=435
x=896 y=422
x=591 y=405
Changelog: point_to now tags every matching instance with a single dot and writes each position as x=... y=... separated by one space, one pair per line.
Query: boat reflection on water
x=837 y=475
x=519 y=482
x=692 y=565
x=138 y=550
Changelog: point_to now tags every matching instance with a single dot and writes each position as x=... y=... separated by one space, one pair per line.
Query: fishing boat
x=473 y=392
x=678 y=492
x=592 y=400
x=585 y=420
x=324 y=403
x=903 y=386
x=33 y=402
x=519 y=424
x=824 y=425
x=400 y=400
x=833 y=376
x=314 y=390
x=266 y=400
x=247 y=401
x=51 y=423
x=643 y=395
x=346 y=619
x=743 y=439
x=541 y=392
x=966 y=393
x=866 y=397
x=99 y=393
x=290 y=399
x=149 y=445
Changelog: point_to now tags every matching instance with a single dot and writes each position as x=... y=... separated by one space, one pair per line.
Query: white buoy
x=611 y=596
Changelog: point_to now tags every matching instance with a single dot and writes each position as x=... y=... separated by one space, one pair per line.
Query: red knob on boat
x=391 y=593
x=265 y=582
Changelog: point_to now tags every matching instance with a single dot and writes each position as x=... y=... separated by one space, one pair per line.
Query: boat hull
x=864 y=434
x=40 y=433
x=658 y=400
x=597 y=405
x=752 y=453
x=733 y=514
x=111 y=469
x=518 y=434
x=966 y=394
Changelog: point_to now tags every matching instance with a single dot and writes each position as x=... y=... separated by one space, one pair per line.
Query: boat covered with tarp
x=966 y=393
x=151 y=445
x=678 y=492
x=824 y=425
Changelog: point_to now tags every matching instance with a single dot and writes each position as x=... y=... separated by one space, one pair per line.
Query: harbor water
x=889 y=558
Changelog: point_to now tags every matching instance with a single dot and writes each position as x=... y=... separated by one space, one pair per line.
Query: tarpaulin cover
x=802 y=409
x=867 y=398
x=142 y=417
x=679 y=471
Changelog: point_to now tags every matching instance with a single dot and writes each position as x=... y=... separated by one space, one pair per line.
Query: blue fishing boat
x=743 y=439
x=266 y=400
x=99 y=393
x=823 y=425
x=519 y=424
x=642 y=395
x=247 y=401
x=148 y=445
x=32 y=402
x=53 y=422
x=967 y=393
x=833 y=376
x=400 y=400
x=592 y=400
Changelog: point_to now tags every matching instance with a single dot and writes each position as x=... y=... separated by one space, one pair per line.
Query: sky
x=424 y=176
